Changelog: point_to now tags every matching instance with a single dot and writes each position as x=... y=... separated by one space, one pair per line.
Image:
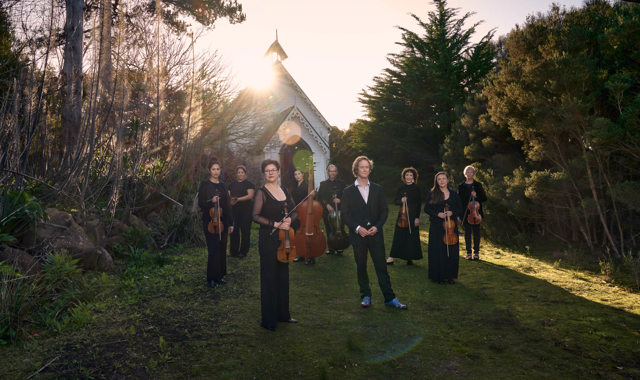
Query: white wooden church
x=281 y=122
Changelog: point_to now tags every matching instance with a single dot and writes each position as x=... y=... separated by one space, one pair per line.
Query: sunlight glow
x=261 y=75
x=289 y=132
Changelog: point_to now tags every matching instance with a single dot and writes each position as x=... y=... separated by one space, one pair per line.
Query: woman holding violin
x=406 y=237
x=269 y=212
x=213 y=199
x=472 y=192
x=241 y=192
x=444 y=207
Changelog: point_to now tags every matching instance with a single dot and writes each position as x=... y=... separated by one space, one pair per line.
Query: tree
x=568 y=91
x=411 y=106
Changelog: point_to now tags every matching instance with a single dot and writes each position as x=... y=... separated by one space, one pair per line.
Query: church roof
x=276 y=49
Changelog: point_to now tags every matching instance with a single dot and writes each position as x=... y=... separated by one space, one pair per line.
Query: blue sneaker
x=395 y=303
x=366 y=301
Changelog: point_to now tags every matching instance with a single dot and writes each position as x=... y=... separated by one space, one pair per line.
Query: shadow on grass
x=493 y=323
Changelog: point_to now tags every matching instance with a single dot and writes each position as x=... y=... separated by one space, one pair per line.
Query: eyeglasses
x=269 y=171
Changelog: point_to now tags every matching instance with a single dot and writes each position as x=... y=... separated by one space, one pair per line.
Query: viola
x=286 y=250
x=310 y=242
x=403 y=216
x=338 y=240
x=215 y=225
x=450 y=237
x=474 y=216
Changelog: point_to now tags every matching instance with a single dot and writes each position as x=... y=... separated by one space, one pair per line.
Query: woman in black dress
x=443 y=259
x=212 y=192
x=268 y=211
x=406 y=241
x=241 y=192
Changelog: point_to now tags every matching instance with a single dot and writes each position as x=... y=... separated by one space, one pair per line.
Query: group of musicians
x=363 y=208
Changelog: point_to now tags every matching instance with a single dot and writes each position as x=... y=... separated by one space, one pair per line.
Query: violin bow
x=292 y=210
x=407 y=209
x=219 y=229
x=446 y=233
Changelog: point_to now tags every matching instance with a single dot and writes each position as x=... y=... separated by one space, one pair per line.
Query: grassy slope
x=509 y=316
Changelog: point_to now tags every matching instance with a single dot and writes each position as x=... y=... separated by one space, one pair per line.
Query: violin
x=403 y=216
x=474 y=216
x=286 y=250
x=450 y=237
x=215 y=225
x=338 y=240
x=311 y=242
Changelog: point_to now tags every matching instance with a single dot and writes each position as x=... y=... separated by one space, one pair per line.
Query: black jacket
x=357 y=213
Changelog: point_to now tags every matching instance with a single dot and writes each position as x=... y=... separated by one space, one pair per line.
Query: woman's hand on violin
x=416 y=222
x=215 y=199
x=403 y=199
x=443 y=215
x=473 y=193
x=329 y=208
x=285 y=225
x=336 y=200
x=231 y=229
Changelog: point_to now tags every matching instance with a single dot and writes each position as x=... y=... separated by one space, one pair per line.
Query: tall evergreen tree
x=412 y=105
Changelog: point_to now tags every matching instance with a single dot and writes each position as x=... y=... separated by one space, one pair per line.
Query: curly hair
x=410 y=169
x=270 y=161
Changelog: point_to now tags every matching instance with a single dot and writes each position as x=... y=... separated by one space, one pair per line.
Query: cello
x=338 y=240
x=310 y=241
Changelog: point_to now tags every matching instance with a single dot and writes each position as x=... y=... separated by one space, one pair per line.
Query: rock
x=117 y=228
x=136 y=222
x=95 y=231
x=26 y=263
x=96 y=258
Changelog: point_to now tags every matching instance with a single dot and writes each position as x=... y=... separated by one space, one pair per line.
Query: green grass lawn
x=508 y=316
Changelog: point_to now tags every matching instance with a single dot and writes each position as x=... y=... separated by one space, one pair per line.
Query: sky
x=337 y=47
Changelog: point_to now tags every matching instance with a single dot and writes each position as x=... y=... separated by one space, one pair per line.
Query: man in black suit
x=365 y=210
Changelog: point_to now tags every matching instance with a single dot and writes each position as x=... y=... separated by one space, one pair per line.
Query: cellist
x=471 y=190
x=443 y=259
x=330 y=195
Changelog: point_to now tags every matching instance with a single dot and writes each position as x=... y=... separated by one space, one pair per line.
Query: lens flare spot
x=289 y=132
x=303 y=160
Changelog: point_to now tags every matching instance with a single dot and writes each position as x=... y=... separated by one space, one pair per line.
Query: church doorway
x=292 y=157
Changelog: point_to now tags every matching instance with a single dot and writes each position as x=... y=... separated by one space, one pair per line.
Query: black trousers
x=217 y=255
x=241 y=235
x=472 y=229
x=274 y=281
x=375 y=246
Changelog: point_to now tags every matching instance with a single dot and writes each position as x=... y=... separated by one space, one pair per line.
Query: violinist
x=241 y=192
x=217 y=222
x=406 y=237
x=472 y=192
x=329 y=195
x=442 y=204
x=365 y=210
x=268 y=212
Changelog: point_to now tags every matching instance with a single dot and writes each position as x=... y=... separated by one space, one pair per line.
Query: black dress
x=274 y=275
x=241 y=235
x=465 y=190
x=406 y=245
x=216 y=243
x=443 y=261
x=326 y=192
x=300 y=192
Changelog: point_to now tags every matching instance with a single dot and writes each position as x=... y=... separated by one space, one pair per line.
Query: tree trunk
x=71 y=78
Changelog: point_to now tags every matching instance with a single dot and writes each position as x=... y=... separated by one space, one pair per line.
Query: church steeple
x=276 y=51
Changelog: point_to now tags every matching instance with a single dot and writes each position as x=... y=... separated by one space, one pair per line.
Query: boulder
x=96 y=258
x=26 y=263
x=95 y=231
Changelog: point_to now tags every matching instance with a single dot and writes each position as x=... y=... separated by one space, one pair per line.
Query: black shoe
x=212 y=284
x=328 y=252
x=451 y=281
x=221 y=281
x=310 y=261
x=339 y=253
x=270 y=328
x=298 y=259
x=291 y=320
x=409 y=262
